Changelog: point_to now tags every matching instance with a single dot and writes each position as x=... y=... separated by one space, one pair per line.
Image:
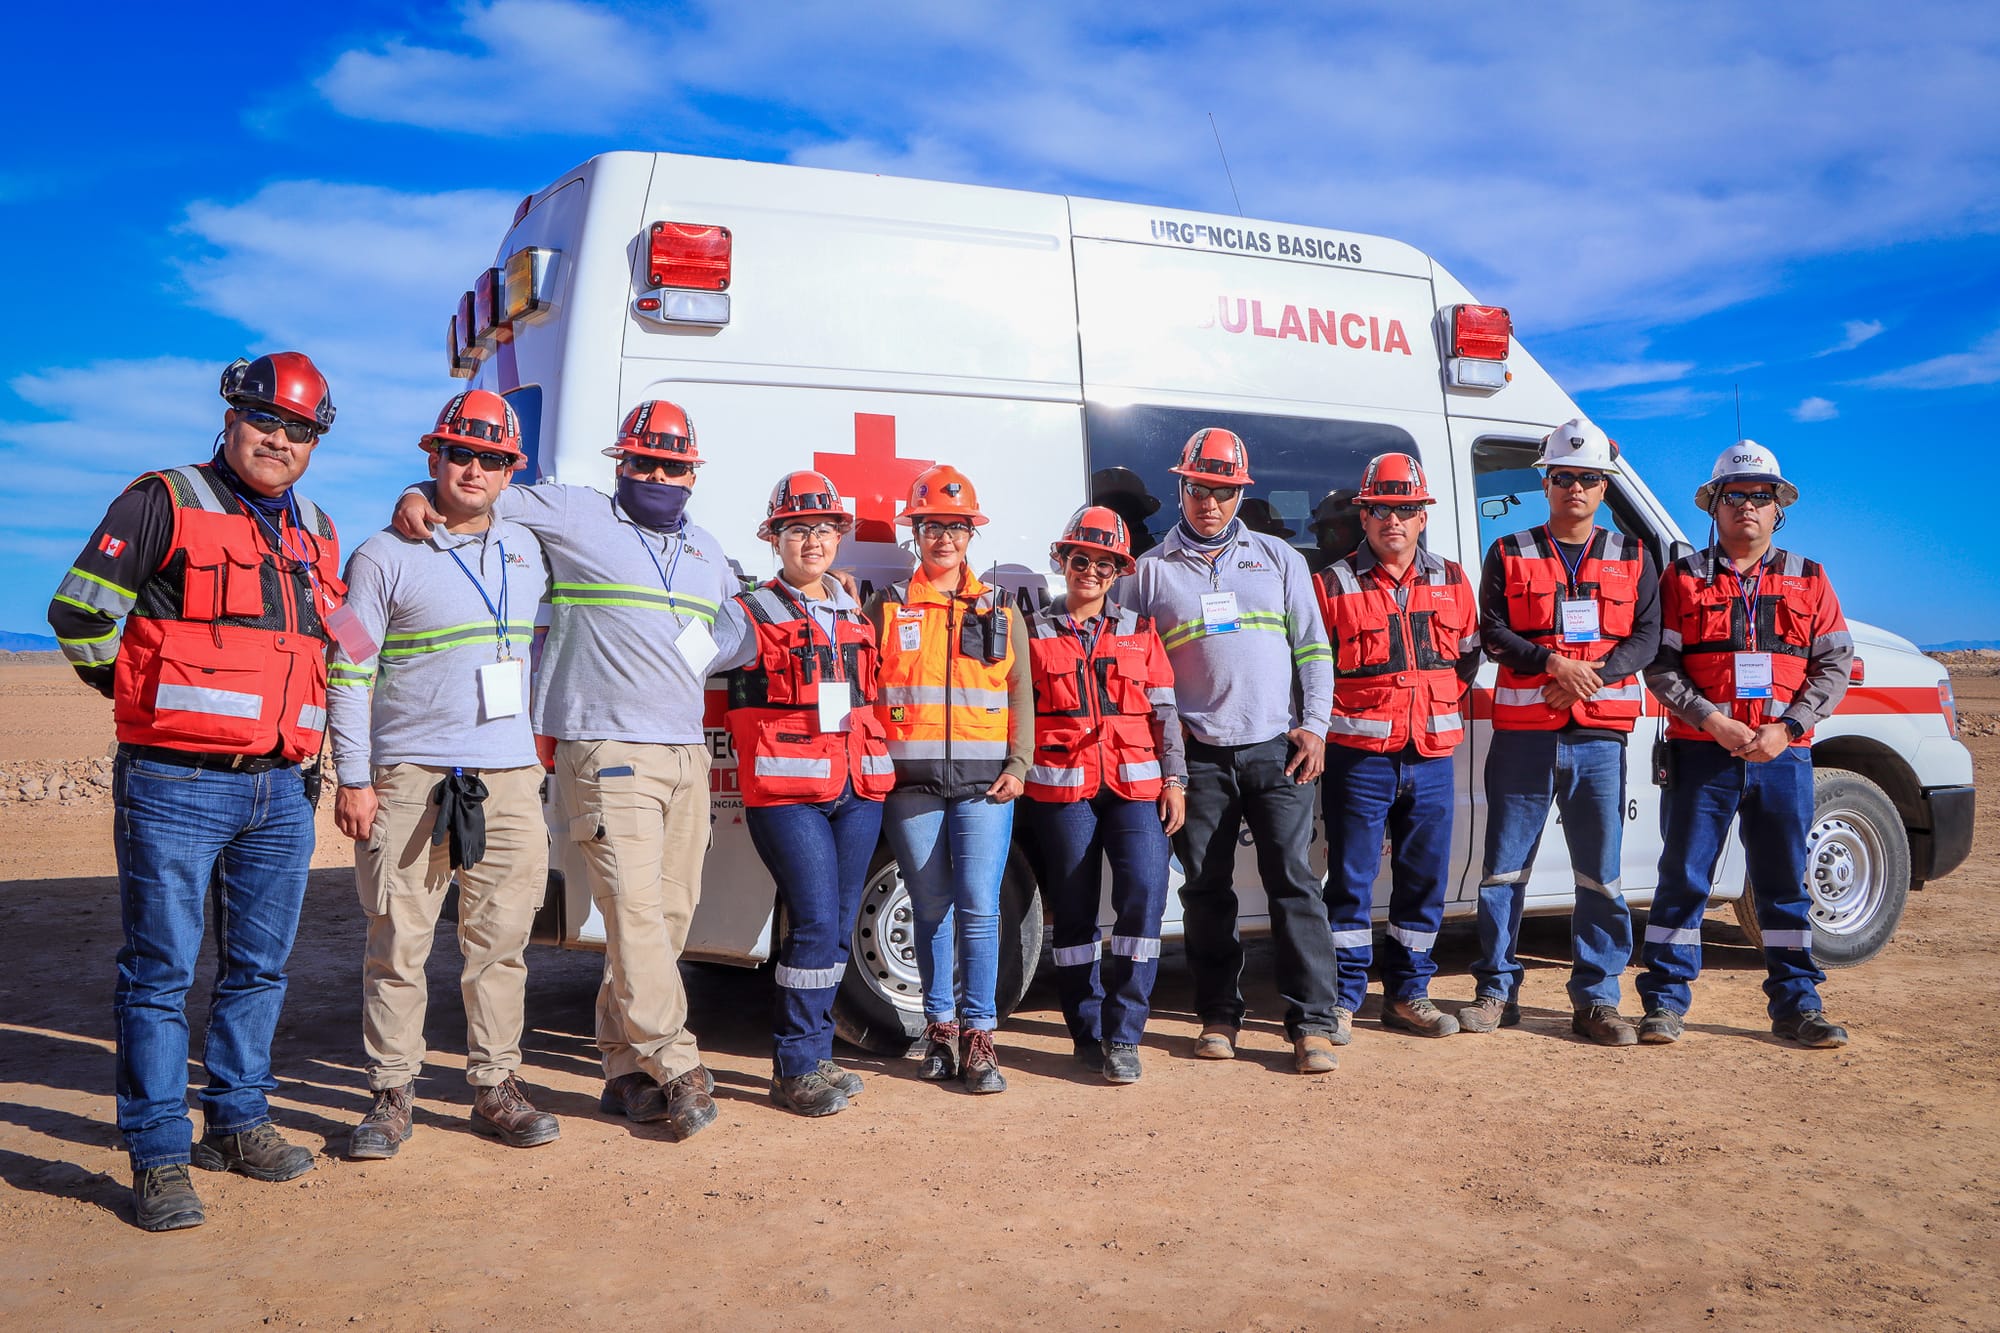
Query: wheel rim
x=885 y=940
x=1846 y=869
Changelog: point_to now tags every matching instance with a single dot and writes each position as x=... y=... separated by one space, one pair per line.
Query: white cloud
x=1815 y=409
x=1853 y=334
x=1619 y=374
x=1957 y=370
x=1680 y=401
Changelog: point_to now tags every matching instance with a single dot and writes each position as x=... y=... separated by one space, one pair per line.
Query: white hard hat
x=1577 y=443
x=1746 y=460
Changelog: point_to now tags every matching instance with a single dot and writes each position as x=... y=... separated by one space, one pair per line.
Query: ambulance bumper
x=1937 y=851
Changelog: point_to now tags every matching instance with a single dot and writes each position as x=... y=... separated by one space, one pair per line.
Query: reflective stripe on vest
x=1537 y=581
x=1396 y=678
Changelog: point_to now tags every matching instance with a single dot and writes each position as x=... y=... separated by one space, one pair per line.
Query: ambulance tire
x=1857 y=870
x=879 y=1006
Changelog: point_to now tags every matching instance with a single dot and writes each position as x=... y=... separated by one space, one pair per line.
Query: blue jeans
x=1363 y=796
x=184 y=836
x=953 y=854
x=1526 y=771
x=819 y=855
x=1105 y=1001
x=1774 y=800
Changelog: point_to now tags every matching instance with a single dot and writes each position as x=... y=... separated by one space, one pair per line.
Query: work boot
x=1810 y=1027
x=163 y=1199
x=634 y=1096
x=1216 y=1041
x=1121 y=1062
x=689 y=1107
x=1417 y=1015
x=1488 y=1012
x=1603 y=1024
x=1088 y=1052
x=1313 y=1054
x=504 y=1112
x=846 y=1080
x=1343 y=1027
x=940 y=1060
x=1660 y=1027
x=810 y=1094
x=387 y=1126
x=979 y=1062
x=259 y=1152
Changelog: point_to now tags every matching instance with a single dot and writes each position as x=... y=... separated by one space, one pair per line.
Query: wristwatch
x=1794 y=727
x=1174 y=782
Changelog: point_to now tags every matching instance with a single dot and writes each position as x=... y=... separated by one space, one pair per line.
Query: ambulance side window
x=1509 y=488
x=1307 y=470
x=527 y=404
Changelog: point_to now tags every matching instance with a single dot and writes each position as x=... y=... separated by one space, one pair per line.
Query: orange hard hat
x=942 y=492
x=286 y=381
x=803 y=495
x=478 y=419
x=1095 y=528
x=1394 y=479
x=657 y=428
x=1215 y=457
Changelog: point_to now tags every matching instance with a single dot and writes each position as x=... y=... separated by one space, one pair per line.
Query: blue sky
x=1800 y=199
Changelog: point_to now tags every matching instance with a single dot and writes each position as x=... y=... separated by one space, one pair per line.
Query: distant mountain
x=1961 y=645
x=11 y=642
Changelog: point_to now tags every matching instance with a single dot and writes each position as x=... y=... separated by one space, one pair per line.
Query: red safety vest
x=225 y=650
x=783 y=756
x=1537 y=584
x=1093 y=720
x=1396 y=669
x=1702 y=616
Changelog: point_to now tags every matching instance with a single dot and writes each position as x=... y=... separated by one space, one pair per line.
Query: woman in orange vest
x=1109 y=780
x=958 y=710
x=814 y=768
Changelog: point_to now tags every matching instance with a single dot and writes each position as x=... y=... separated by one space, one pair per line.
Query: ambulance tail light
x=1948 y=705
x=1859 y=674
x=1480 y=338
x=686 y=254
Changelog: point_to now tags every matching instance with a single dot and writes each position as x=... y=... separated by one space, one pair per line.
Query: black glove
x=461 y=817
x=102 y=678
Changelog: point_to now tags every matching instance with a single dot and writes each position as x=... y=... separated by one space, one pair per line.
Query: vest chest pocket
x=229 y=585
x=1531 y=603
x=1714 y=618
x=1792 y=617
x=1126 y=678
x=1362 y=646
x=1448 y=630
x=1617 y=600
x=1057 y=692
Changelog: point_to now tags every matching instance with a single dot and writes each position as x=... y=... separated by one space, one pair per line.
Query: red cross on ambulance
x=872 y=476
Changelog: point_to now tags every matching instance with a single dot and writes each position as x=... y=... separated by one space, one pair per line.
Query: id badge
x=833 y=707
x=910 y=634
x=1753 y=675
x=500 y=688
x=1218 y=612
x=1579 y=620
x=697 y=648
x=344 y=623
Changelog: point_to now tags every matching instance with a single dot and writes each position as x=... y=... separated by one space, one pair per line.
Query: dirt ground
x=1521 y=1180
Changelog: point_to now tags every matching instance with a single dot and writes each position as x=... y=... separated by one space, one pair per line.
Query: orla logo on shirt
x=515 y=558
x=1251 y=564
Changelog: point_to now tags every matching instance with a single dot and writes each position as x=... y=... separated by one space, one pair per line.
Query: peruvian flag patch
x=111 y=545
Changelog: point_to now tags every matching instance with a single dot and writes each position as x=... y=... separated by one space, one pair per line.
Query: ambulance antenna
x=1225 y=164
x=1739 y=410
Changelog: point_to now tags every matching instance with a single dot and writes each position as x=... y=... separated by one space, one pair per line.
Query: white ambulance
x=1056 y=349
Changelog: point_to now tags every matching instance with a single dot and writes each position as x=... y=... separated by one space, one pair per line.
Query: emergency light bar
x=466 y=353
x=528 y=285
x=1480 y=338
x=487 y=324
x=463 y=364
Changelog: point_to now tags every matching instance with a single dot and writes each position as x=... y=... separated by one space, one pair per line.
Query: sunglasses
x=645 y=465
x=1565 y=480
x=1220 y=494
x=1083 y=564
x=1755 y=499
x=1380 y=512
x=268 y=423
x=490 y=459
x=955 y=531
x=801 y=531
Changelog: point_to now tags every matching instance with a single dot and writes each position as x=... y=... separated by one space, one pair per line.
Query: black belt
x=230 y=763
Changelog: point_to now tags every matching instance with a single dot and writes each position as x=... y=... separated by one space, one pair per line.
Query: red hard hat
x=1095 y=528
x=804 y=495
x=287 y=382
x=657 y=429
x=1394 y=479
x=1215 y=457
x=942 y=492
x=478 y=419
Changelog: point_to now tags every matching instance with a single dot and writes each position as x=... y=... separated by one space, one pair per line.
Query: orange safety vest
x=943 y=685
x=773 y=718
x=225 y=650
x=1395 y=677
x=1703 y=616
x=1537 y=583
x=1093 y=719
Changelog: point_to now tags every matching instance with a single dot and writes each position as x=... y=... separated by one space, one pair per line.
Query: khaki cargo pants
x=639 y=817
x=402 y=881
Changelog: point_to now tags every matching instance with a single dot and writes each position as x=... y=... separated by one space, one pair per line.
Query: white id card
x=833 y=706
x=910 y=634
x=500 y=692
x=1218 y=612
x=1753 y=675
x=696 y=647
x=1579 y=620
x=344 y=623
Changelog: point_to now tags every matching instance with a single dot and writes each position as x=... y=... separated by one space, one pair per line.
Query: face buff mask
x=653 y=504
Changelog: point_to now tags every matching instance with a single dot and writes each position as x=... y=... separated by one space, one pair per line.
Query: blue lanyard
x=283 y=547
x=666 y=574
x=1563 y=556
x=1748 y=590
x=1089 y=638
x=499 y=613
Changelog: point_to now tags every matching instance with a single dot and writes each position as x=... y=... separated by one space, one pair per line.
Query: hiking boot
x=1088 y=1052
x=504 y=1112
x=808 y=1094
x=940 y=1060
x=1810 y=1027
x=634 y=1096
x=979 y=1062
x=1660 y=1027
x=1487 y=1013
x=1121 y=1062
x=689 y=1107
x=1313 y=1054
x=163 y=1199
x=1419 y=1016
x=387 y=1126
x=259 y=1152
x=1343 y=1027
x=846 y=1080
x=1603 y=1024
x=1216 y=1041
